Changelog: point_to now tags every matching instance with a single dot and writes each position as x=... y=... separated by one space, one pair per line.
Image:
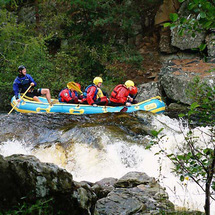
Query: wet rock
x=104 y=186
x=177 y=107
x=135 y=193
x=133 y=179
x=25 y=179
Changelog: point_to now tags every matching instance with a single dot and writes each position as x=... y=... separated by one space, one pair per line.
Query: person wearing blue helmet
x=22 y=83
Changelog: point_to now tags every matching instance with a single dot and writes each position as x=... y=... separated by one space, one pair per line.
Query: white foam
x=115 y=158
x=14 y=146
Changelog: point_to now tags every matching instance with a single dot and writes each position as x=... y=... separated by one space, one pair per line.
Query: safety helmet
x=129 y=83
x=78 y=85
x=133 y=91
x=20 y=68
x=97 y=80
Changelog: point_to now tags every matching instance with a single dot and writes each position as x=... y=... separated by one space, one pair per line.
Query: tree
x=196 y=157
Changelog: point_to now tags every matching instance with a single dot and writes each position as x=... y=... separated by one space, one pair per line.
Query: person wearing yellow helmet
x=93 y=94
x=120 y=94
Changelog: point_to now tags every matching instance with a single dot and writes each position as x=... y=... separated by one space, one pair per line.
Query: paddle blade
x=72 y=85
x=124 y=109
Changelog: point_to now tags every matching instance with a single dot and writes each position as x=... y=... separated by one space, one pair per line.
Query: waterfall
x=93 y=152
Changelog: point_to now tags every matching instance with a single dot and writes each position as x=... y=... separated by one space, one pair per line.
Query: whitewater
x=114 y=157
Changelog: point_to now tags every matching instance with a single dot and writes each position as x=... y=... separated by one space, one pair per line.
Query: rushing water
x=108 y=145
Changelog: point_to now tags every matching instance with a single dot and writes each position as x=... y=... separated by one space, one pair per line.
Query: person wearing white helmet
x=93 y=95
x=120 y=94
x=23 y=81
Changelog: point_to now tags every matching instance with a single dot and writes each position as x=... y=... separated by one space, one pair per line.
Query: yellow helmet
x=129 y=83
x=97 y=80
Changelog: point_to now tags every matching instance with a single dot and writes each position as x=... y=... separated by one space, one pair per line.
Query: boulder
x=135 y=193
x=104 y=186
x=25 y=179
x=165 y=41
x=176 y=77
x=189 y=40
x=148 y=90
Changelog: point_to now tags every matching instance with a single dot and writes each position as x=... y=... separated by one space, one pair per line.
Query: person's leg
x=35 y=98
x=46 y=92
x=33 y=95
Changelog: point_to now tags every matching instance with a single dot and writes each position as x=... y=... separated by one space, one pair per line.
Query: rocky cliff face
x=176 y=79
x=26 y=179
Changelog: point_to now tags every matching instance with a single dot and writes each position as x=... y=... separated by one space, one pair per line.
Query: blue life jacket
x=21 y=84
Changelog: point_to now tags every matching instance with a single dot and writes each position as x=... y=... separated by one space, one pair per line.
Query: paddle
x=124 y=109
x=20 y=98
x=74 y=87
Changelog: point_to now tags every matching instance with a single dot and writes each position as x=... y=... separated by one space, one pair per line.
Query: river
x=94 y=147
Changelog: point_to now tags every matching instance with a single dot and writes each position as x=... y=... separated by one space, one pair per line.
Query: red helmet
x=133 y=91
x=79 y=86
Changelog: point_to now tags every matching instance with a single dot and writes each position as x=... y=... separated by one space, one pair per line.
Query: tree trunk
x=207 y=197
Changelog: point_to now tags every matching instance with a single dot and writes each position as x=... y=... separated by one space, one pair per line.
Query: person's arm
x=74 y=97
x=130 y=99
x=31 y=80
x=90 y=95
x=16 y=88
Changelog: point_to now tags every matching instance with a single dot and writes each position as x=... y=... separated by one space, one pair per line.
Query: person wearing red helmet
x=69 y=95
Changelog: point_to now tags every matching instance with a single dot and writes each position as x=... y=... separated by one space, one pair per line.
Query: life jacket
x=25 y=83
x=86 y=89
x=99 y=94
x=70 y=94
x=116 y=90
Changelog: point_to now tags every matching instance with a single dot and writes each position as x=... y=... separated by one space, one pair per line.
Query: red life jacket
x=68 y=96
x=119 y=94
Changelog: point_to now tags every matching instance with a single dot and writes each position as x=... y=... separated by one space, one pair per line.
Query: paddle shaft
x=20 y=98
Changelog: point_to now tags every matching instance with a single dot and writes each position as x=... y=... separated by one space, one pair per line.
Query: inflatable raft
x=155 y=105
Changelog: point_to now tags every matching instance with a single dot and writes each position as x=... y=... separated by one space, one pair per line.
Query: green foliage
x=200 y=18
x=66 y=40
x=40 y=207
x=204 y=96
